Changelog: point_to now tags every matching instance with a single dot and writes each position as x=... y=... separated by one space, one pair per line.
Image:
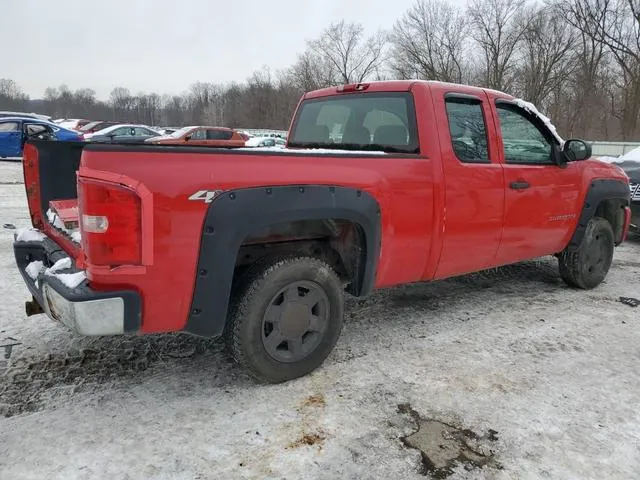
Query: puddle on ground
x=443 y=447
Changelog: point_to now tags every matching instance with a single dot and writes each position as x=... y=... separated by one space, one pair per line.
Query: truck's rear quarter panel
x=402 y=185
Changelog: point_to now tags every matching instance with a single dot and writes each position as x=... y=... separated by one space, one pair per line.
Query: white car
x=265 y=142
x=123 y=133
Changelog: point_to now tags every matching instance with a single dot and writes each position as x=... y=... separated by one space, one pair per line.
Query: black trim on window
x=462 y=96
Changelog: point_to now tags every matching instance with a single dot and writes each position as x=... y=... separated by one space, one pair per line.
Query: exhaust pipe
x=32 y=307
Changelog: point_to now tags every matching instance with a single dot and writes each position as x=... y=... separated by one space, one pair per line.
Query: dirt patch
x=443 y=446
x=308 y=439
x=311 y=410
x=316 y=400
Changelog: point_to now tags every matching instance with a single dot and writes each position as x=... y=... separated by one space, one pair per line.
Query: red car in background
x=202 y=136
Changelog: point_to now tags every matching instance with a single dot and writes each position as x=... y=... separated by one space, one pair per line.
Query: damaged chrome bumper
x=77 y=306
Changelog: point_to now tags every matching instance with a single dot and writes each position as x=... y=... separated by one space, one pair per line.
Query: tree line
x=577 y=60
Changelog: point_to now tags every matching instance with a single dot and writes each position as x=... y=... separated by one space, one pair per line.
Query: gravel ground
x=509 y=372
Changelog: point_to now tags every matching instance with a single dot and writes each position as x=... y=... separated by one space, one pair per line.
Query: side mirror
x=187 y=138
x=575 y=150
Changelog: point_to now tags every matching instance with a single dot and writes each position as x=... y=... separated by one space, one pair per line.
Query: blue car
x=15 y=131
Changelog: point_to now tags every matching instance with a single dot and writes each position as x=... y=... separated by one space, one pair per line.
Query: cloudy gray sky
x=165 y=45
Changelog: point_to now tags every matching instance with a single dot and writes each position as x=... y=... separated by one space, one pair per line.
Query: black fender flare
x=599 y=191
x=234 y=214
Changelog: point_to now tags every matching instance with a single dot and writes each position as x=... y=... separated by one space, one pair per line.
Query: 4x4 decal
x=205 y=195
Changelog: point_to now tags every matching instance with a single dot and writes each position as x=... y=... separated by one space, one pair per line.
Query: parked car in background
x=73 y=123
x=166 y=130
x=201 y=136
x=4 y=114
x=15 y=131
x=93 y=127
x=632 y=169
x=265 y=142
x=122 y=134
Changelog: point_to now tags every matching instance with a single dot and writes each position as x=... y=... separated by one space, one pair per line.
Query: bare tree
x=616 y=25
x=122 y=103
x=497 y=29
x=429 y=42
x=312 y=71
x=352 y=57
x=548 y=46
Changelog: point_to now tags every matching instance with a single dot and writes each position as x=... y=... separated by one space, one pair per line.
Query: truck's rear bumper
x=81 y=308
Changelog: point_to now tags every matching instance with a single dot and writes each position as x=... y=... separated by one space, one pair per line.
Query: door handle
x=519 y=185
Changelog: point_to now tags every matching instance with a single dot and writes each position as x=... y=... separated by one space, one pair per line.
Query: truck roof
x=404 y=86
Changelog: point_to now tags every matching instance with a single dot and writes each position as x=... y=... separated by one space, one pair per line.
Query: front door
x=542 y=198
x=10 y=139
x=474 y=185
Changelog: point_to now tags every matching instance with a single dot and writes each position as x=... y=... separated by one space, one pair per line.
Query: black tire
x=587 y=265
x=276 y=297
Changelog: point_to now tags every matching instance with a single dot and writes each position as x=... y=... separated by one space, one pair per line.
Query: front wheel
x=286 y=317
x=587 y=265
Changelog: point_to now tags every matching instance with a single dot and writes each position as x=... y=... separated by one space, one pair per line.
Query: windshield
x=181 y=132
x=380 y=121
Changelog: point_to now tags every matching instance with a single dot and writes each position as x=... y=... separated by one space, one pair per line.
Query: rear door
x=473 y=181
x=10 y=139
x=542 y=198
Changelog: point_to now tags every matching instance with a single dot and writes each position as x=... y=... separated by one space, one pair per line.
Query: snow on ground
x=553 y=371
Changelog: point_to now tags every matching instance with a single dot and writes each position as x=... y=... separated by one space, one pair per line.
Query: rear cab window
x=376 y=121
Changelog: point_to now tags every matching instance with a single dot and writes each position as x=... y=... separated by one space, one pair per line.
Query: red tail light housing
x=110 y=223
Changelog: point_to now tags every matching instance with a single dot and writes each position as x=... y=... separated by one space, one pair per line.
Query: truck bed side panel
x=402 y=186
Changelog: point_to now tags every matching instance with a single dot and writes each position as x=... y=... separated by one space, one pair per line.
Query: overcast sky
x=165 y=45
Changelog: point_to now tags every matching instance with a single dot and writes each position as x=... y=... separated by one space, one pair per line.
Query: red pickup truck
x=381 y=184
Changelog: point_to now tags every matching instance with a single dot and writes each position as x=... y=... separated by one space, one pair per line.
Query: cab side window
x=523 y=142
x=468 y=130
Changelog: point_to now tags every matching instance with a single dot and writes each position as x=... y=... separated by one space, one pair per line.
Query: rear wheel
x=286 y=317
x=587 y=265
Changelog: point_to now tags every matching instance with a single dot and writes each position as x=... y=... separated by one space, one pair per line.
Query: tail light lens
x=111 y=223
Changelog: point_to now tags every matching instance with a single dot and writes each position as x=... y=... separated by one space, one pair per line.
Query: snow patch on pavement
x=552 y=370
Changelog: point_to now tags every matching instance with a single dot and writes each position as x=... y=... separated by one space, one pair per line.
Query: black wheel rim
x=597 y=255
x=295 y=321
